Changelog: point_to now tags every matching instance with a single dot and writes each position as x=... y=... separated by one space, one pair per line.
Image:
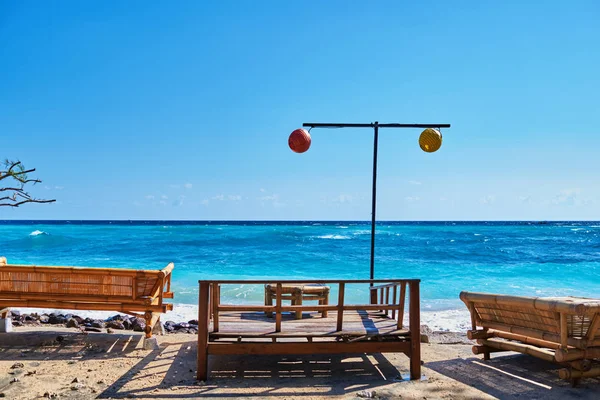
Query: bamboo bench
x=375 y=327
x=564 y=330
x=135 y=292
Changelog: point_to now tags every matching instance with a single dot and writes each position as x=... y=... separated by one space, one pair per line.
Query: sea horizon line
x=275 y=222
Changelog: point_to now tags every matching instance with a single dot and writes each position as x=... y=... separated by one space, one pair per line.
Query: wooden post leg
x=415 y=331
x=268 y=301
x=298 y=302
x=148 y=329
x=325 y=303
x=486 y=356
x=203 y=324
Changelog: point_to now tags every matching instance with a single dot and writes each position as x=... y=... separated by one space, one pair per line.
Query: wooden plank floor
x=258 y=325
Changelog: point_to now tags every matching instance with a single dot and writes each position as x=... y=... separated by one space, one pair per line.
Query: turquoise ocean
x=523 y=258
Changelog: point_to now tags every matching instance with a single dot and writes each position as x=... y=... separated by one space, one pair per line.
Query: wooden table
x=297 y=293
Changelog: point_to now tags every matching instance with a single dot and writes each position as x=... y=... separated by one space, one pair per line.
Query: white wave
x=447 y=320
x=477 y=234
x=37 y=233
x=342 y=227
x=336 y=237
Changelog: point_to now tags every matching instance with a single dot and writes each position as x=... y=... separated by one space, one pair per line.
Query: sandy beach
x=56 y=362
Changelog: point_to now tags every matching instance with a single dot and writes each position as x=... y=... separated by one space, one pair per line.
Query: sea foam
x=336 y=237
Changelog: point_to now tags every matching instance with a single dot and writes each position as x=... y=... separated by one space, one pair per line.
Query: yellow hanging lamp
x=430 y=140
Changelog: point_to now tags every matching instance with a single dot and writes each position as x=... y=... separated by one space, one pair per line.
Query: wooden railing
x=398 y=298
x=394 y=304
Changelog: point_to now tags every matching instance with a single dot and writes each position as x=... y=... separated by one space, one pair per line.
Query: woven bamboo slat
x=81 y=288
x=559 y=329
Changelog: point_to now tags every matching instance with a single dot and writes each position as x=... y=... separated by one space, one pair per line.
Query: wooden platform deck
x=358 y=325
x=374 y=327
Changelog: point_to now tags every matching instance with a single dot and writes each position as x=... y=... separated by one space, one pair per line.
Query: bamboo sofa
x=564 y=330
x=374 y=327
x=135 y=292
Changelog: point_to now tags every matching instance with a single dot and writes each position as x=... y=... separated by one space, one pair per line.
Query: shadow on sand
x=515 y=377
x=69 y=345
x=237 y=376
x=170 y=371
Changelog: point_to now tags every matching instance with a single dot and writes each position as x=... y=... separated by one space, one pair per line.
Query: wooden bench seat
x=564 y=330
x=135 y=292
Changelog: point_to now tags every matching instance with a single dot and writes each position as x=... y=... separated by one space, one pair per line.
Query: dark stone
x=89 y=329
x=17 y=323
x=193 y=322
x=126 y=323
x=117 y=317
x=170 y=326
x=72 y=323
x=56 y=319
x=15 y=314
x=182 y=325
x=28 y=317
x=88 y=320
x=75 y=380
x=139 y=325
x=44 y=319
x=115 y=325
x=78 y=319
x=68 y=316
x=17 y=365
x=97 y=324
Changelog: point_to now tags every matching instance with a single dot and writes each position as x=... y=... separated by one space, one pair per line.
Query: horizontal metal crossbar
x=371 y=125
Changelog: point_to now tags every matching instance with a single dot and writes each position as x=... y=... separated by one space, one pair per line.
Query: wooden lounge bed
x=135 y=292
x=564 y=330
x=375 y=327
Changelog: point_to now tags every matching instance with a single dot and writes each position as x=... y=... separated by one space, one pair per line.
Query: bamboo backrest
x=581 y=316
x=18 y=281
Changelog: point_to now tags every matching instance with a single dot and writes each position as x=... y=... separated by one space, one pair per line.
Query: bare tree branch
x=24 y=202
x=17 y=193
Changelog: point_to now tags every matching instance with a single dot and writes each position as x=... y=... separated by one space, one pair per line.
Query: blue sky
x=182 y=110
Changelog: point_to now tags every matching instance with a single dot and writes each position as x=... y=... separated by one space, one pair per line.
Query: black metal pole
x=374 y=198
x=376 y=125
